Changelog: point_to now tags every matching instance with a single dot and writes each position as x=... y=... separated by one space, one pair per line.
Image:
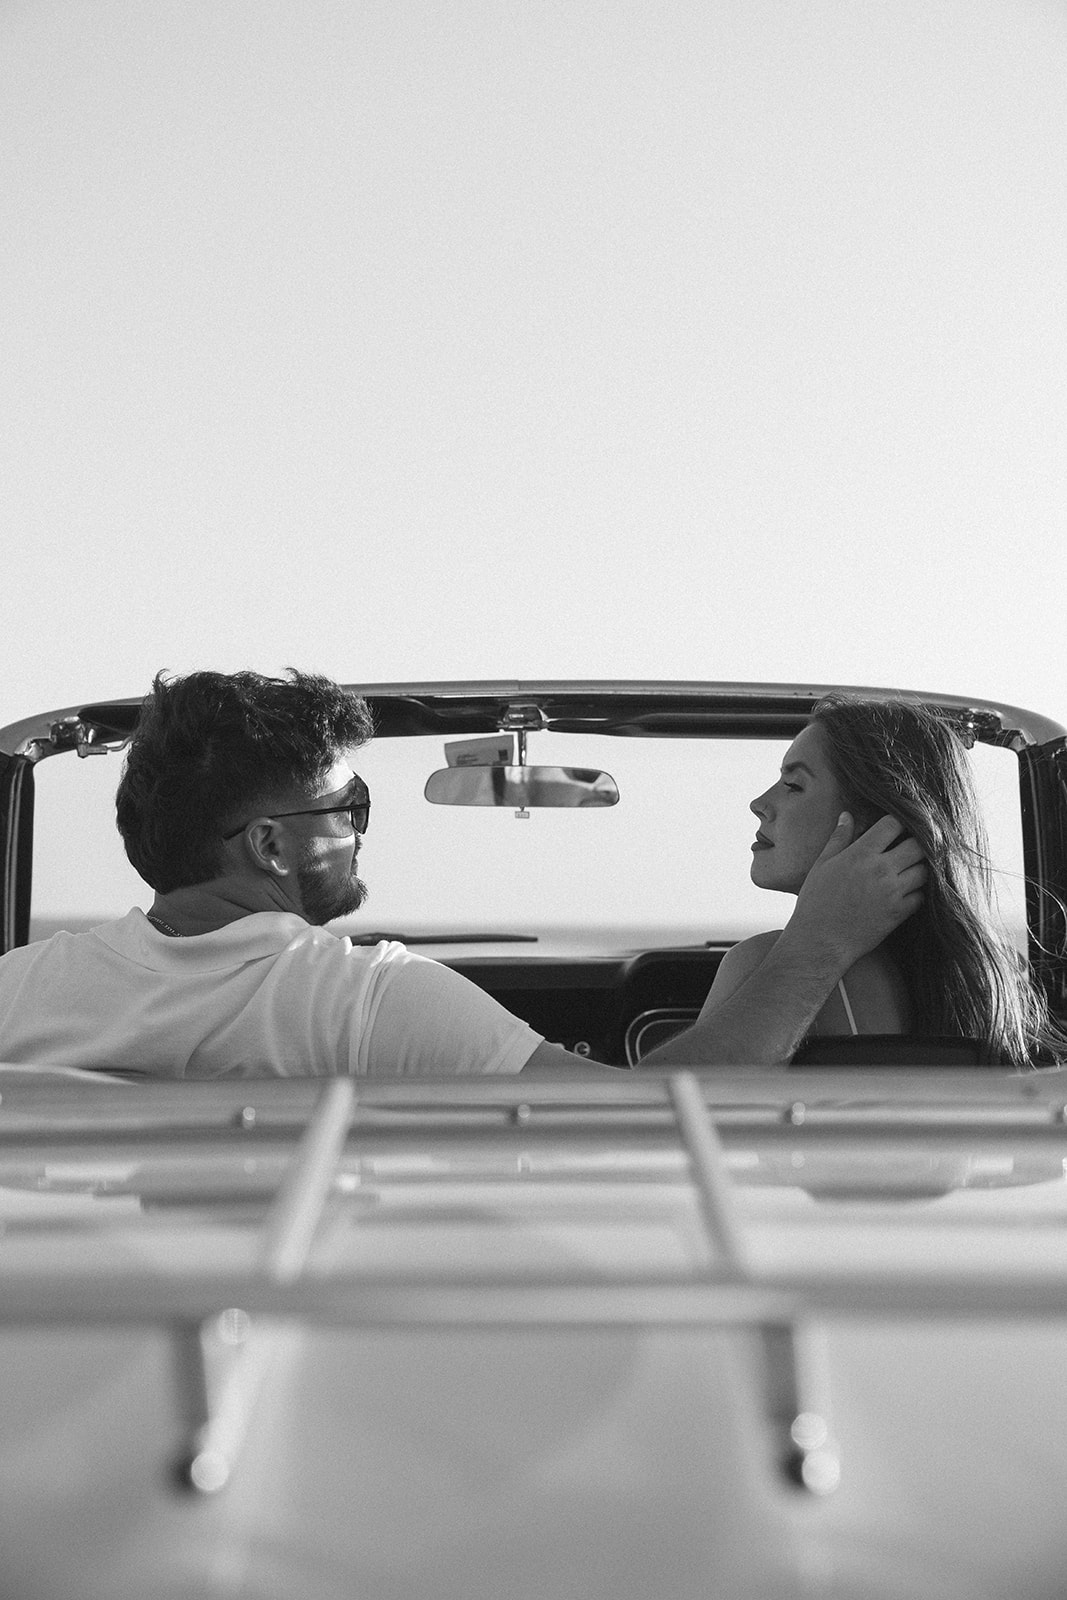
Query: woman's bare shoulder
x=877 y=994
x=741 y=960
x=756 y=946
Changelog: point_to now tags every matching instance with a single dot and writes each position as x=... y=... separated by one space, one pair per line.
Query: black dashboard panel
x=587 y=1004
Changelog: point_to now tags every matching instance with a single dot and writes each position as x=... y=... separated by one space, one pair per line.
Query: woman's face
x=797 y=815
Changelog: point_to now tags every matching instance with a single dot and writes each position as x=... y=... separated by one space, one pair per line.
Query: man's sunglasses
x=358 y=811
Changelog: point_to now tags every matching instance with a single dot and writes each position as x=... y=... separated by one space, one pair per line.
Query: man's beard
x=322 y=897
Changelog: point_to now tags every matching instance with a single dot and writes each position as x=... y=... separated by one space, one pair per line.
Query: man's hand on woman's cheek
x=859 y=890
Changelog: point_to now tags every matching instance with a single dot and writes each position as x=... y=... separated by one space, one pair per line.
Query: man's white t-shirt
x=266 y=995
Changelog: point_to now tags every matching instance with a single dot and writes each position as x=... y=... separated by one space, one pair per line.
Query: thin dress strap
x=847 y=1006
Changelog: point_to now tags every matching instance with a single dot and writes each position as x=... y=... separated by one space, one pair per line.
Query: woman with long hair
x=949 y=969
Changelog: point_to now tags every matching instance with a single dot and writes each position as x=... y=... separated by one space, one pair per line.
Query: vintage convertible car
x=756 y=1335
x=602 y=923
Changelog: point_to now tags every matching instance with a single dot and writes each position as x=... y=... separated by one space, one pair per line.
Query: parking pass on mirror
x=496 y=751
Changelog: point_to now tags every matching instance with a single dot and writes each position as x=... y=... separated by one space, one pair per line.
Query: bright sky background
x=704 y=339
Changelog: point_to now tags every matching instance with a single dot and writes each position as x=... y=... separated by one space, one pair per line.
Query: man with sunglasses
x=240 y=807
x=320 y=897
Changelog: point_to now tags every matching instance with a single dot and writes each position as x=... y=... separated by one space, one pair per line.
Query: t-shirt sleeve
x=423 y=1019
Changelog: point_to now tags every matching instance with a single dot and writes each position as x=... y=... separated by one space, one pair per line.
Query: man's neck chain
x=164 y=927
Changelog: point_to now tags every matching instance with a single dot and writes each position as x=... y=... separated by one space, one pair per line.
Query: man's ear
x=265 y=845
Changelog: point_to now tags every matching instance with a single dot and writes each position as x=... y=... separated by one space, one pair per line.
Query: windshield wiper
x=445 y=938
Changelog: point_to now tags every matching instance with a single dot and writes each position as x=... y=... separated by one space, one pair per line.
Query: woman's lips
x=760 y=843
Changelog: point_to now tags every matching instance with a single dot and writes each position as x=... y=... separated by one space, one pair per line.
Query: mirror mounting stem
x=522 y=718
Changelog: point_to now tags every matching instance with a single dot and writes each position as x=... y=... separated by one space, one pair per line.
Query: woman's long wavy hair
x=963 y=975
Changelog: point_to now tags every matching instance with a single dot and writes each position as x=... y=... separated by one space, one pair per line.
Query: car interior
x=602 y=930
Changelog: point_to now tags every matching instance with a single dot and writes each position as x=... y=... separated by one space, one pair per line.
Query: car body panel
x=523 y=1353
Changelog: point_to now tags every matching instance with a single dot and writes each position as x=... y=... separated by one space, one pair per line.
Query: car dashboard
x=607 y=1008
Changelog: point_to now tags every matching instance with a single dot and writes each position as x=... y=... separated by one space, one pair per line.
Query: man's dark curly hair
x=211 y=748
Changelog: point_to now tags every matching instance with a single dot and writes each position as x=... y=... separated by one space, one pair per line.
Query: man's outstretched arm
x=854 y=896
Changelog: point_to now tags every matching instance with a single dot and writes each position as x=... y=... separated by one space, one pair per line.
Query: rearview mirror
x=520 y=788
